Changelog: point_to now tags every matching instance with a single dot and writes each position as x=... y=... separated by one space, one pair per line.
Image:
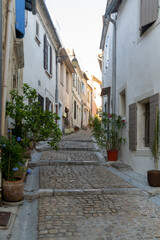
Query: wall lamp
x=61 y=59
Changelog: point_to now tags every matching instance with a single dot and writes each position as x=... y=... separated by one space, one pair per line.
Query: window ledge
x=145 y=152
x=37 y=40
x=48 y=74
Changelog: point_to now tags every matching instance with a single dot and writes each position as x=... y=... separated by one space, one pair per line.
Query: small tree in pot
x=107 y=130
x=154 y=175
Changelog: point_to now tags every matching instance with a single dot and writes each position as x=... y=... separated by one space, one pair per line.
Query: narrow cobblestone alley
x=83 y=200
x=78 y=197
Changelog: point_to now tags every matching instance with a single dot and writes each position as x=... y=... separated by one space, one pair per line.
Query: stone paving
x=93 y=217
x=122 y=215
x=69 y=155
x=72 y=177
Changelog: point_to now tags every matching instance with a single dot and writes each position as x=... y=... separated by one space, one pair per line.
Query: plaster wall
x=34 y=73
x=137 y=72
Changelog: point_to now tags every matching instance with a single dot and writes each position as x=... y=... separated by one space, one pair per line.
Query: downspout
x=113 y=66
x=1 y=60
x=56 y=93
x=6 y=65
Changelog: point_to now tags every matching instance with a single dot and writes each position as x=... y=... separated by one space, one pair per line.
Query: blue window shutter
x=20 y=18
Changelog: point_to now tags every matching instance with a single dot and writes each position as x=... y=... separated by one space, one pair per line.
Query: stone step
x=72 y=192
x=60 y=163
x=46 y=148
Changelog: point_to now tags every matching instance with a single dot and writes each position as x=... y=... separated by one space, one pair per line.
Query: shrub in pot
x=30 y=122
x=107 y=129
x=11 y=162
x=154 y=175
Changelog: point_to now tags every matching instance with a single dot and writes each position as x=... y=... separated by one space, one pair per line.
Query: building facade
x=65 y=86
x=41 y=46
x=131 y=55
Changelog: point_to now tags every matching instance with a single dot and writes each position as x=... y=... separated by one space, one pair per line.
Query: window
x=79 y=87
x=67 y=81
x=122 y=103
x=107 y=53
x=74 y=109
x=14 y=81
x=148 y=14
x=62 y=74
x=83 y=88
x=37 y=33
x=37 y=29
x=47 y=56
x=74 y=79
x=142 y=117
x=41 y=101
x=48 y=104
x=88 y=96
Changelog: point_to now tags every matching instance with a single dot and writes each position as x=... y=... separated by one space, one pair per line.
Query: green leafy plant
x=11 y=157
x=31 y=123
x=107 y=129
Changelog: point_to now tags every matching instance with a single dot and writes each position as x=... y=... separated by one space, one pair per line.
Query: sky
x=79 y=23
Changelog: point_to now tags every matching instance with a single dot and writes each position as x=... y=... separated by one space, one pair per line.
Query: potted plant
x=107 y=129
x=154 y=175
x=29 y=121
x=11 y=162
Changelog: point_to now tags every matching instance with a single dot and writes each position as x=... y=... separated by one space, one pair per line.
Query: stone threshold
x=78 y=140
x=68 y=149
x=61 y=163
x=73 y=192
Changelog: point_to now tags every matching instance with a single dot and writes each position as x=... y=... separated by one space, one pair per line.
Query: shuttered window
x=45 y=52
x=50 y=60
x=147 y=124
x=48 y=104
x=133 y=126
x=41 y=101
x=154 y=103
x=74 y=109
x=148 y=14
x=47 y=55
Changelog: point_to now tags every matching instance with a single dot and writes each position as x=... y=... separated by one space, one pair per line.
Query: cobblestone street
x=88 y=201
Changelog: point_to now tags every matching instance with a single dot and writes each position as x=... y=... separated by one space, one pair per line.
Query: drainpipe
x=6 y=64
x=56 y=93
x=113 y=66
x=1 y=60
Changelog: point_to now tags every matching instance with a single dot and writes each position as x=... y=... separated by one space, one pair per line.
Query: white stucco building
x=41 y=45
x=130 y=74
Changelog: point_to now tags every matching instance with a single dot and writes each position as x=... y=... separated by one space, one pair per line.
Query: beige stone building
x=86 y=101
x=65 y=85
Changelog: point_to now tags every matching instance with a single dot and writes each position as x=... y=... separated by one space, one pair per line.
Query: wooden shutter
x=45 y=52
x=154 y=103
x=47 y=103
x=50 y=60
x=149 y=14
x=74 y=109
x=133 y=126
x=41 y=101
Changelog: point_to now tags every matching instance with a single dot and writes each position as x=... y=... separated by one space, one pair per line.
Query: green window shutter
x=133 y=126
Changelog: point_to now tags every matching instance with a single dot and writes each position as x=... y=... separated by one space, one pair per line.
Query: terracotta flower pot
x=154 y=178
x=112 y=155
x=13 y=191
